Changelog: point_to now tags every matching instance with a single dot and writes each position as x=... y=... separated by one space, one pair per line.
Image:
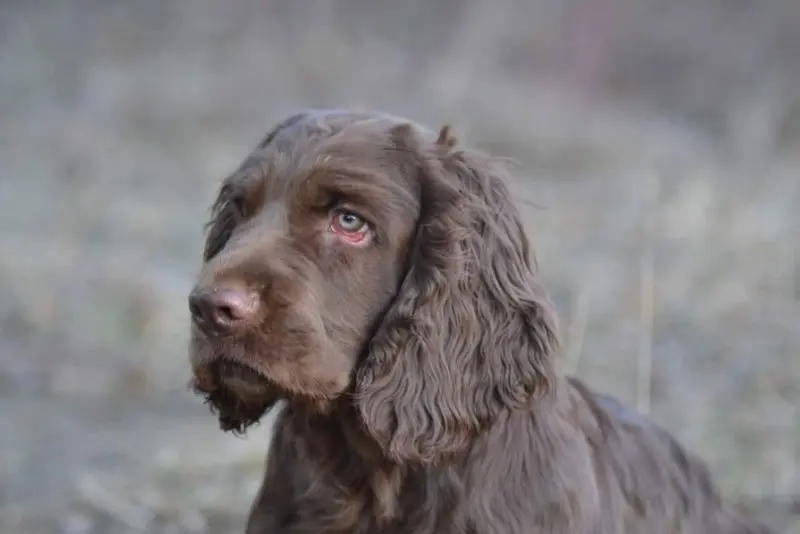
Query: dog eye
x=349 y=222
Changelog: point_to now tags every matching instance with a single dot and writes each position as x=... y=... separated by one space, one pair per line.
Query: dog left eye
x=349 y=223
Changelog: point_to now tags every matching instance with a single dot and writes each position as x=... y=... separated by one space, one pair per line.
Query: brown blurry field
x=659 y=159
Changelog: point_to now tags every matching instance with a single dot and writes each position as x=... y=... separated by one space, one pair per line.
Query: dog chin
x=238 y=395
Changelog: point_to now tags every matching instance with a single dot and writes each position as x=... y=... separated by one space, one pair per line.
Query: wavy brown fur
x=419 y=368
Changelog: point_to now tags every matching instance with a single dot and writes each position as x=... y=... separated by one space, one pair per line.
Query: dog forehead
x=348 y=140
x=306 y=130
x=310 y=140
x=354 y=143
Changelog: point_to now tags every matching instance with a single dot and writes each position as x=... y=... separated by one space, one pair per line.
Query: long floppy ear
x=471 y=332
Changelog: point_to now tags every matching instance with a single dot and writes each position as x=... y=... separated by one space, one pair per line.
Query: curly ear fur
x=471 y=332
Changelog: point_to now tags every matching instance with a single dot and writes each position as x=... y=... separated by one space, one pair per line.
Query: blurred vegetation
x=659 y=151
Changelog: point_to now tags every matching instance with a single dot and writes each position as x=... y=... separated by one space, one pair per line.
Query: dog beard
x=240 y=396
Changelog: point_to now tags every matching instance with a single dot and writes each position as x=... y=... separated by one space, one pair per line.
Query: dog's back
x=659 y=480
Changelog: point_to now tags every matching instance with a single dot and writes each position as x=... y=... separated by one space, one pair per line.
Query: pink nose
x=222 y=310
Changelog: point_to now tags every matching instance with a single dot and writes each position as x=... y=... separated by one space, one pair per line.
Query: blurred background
x=658 y=144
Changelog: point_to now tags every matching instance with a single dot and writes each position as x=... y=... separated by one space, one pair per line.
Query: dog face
x=360 y=254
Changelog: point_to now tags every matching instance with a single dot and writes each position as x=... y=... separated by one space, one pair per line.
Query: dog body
x=579 y=464
x=379 y=279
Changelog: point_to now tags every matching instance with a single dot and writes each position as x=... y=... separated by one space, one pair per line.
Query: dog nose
x=222 y=310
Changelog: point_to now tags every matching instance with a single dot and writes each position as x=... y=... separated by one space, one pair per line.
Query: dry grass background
x=659 y=150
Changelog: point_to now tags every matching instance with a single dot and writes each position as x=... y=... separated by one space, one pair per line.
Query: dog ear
x=471 y=332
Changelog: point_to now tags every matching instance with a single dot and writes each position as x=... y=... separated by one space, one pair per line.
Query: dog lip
x=242 y=378
x=223 y=372
x=204 y=380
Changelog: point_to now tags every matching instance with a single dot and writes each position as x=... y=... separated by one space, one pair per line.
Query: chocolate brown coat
x=378 y=278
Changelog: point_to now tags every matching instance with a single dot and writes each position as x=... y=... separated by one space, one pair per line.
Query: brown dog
x=379 y=279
